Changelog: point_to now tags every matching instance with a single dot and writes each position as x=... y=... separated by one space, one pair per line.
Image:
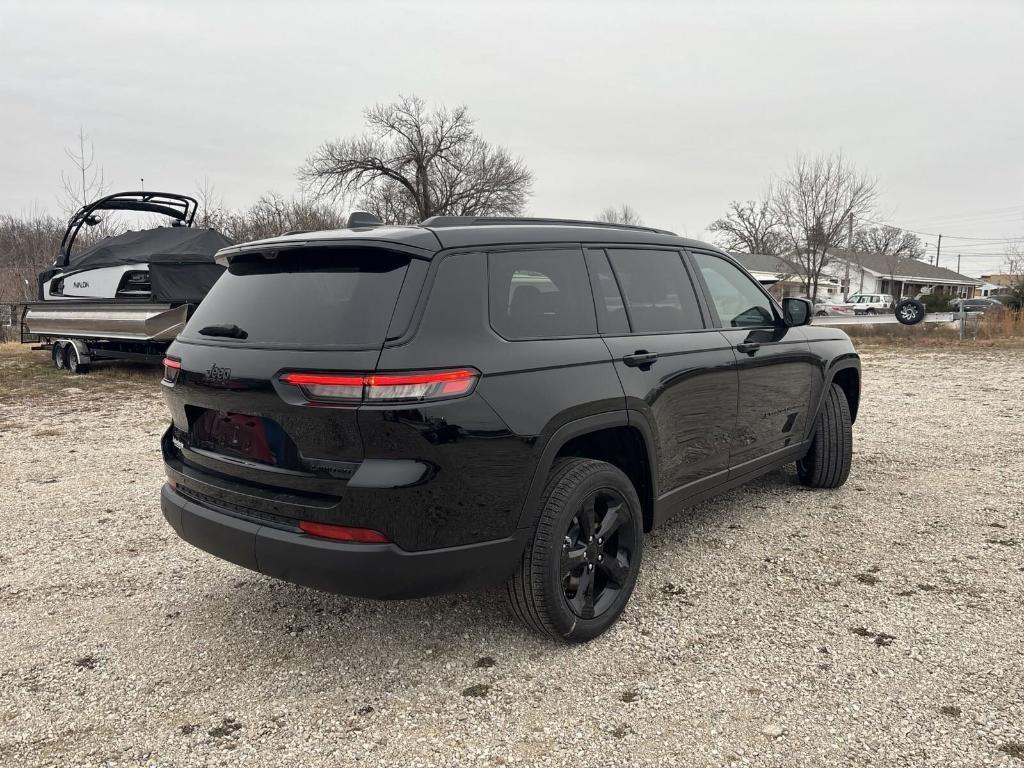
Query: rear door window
x=309 y=297
x=659 y=295
x=537 y=294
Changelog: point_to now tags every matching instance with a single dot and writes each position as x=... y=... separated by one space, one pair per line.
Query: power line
x=986 y=218
x=940 y=234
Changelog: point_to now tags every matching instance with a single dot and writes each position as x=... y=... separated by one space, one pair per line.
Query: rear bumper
x=381 y=571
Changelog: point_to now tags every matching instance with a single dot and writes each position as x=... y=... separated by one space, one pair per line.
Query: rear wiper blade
x=228 y=331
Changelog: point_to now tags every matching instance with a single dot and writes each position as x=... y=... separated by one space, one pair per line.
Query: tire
x=871 y=311
x=57 y=355
x=72 y=361
x=549 y=591
x=827 y=463
x=910 y=311
x=821 y=313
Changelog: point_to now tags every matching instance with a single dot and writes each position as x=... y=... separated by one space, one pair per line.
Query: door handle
x=750 y=347
x=641 y=359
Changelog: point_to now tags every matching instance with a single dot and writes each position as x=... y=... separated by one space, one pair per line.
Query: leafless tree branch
x=749 y=227
x=621 y=214
x=813 y=203
x=414 y=162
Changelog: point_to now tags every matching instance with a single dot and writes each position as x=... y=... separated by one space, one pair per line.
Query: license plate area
x=242 y=436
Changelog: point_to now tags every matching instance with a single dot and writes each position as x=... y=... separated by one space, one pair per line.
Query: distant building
x=850 y=272
x=996 y=285
x=782 y=278
x=874 y=273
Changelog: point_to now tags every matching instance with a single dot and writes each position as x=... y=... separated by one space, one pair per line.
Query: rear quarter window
x=537 y=294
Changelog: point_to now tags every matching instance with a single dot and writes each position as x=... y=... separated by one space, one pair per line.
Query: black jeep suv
x=392 y=412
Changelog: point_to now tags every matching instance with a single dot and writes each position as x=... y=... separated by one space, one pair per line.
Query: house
x=995 y=285
x=782 y=278
x=848 y=272
x=899 y=277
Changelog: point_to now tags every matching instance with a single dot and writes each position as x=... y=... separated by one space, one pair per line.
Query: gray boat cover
x=175 y=245
x=188 y=282
x=181 y=265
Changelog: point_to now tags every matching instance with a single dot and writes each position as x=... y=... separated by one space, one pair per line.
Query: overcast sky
x=675 y=108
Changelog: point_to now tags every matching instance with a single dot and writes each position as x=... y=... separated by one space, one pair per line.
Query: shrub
x=936 y=302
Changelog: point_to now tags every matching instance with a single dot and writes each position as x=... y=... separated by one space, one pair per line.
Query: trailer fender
x=77 y=355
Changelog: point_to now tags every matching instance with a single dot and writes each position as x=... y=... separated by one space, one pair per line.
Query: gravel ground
x=879 y=624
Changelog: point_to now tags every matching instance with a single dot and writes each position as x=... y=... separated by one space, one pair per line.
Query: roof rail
x=470 y=221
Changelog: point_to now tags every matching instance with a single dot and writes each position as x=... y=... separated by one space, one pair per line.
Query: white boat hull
x=99 y=283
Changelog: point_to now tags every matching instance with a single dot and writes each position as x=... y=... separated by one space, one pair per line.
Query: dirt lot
x=881 y=624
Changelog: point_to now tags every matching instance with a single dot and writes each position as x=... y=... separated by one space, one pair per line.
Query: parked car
x=871 y=303
x=391 y=412
x=978 y=305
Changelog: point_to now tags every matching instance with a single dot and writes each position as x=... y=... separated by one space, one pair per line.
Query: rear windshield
x=310 y=297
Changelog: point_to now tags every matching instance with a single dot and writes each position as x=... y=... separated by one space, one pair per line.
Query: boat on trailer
x=126 y=296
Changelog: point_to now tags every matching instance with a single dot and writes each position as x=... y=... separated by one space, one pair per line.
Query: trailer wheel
x=73 y=362
x=57 y=353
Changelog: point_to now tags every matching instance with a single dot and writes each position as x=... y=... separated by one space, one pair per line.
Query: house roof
x=903 y=268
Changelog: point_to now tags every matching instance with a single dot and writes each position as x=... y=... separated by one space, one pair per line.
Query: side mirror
x=797 y=312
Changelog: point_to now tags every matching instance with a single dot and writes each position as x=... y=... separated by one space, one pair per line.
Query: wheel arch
x=620 y=438
x=846 y=374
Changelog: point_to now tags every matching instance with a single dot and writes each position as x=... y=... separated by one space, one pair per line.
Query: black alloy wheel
x=596 y=554
x=581 y=564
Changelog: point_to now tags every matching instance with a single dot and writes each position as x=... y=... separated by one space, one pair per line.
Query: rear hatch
x=235 y=416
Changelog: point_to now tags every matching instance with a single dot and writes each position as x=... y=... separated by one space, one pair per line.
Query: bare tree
x=1014 y=295
x=750 y=227
x=896 y=247
x=28 y=244
x=621 y=214
x=85 y=182
x=273 y=215
x=889 y=241
x=813 y=203
x=415 y=162
x=211 y=212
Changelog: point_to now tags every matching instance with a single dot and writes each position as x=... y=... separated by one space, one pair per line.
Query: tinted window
x=540 y=294
x=611 y=310
x=739 y=301
x=658 y=292
x=311 y=298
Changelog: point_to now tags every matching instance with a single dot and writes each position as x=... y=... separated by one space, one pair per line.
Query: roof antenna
x=362 y=219
x=142 y=185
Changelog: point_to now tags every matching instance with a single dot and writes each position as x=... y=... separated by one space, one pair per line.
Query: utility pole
x=958 y=263
x=849 y=255
x=938 y=250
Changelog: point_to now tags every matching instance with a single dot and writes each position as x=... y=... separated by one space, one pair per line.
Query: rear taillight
x=384 y=387
x=322 y=386
x=172 y=367
x=343 y=533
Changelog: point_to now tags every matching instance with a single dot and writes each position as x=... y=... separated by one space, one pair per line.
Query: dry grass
x=26 y=372
x=1003 y=330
